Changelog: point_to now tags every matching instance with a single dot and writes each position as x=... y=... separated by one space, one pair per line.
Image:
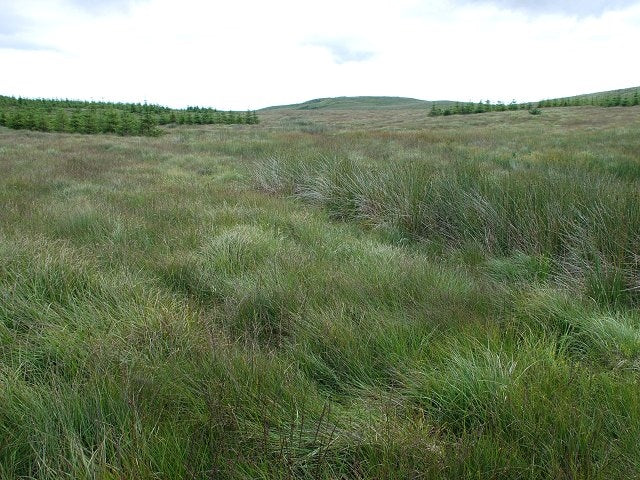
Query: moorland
x=332 y=292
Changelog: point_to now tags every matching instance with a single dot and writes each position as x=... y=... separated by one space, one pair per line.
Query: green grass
x=554 y=199
x=370 y=296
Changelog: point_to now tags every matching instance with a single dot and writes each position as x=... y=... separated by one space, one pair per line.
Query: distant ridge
x=382 y=102
x=351 y=103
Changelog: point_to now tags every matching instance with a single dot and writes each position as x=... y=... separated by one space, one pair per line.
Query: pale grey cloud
x=14 y=42
x=14 y=30
x=415 y=48
x=581 y=8
x=11 y=22
x=103 y=6
x=342 y=51
x=21 y=23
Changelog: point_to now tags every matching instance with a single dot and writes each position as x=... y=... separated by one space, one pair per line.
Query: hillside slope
x=623 y=92
x=359 y=103
x=382 y=102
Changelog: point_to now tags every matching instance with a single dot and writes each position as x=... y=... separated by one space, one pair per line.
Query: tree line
x=74 y=116
x=612 y=99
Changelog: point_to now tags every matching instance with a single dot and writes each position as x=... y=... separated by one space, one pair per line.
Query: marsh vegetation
x=328 y=294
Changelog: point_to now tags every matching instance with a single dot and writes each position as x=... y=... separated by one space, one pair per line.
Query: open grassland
x=329 y=294
x=565 y=193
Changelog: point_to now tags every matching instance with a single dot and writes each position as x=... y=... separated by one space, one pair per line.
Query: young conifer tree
x=60 y=121
x=75 y=122
x=109 y=122
x=125 y=124
x=30 y=120
x=42 y=122
x=15 y=120
x=90 y=122
x=148 y=123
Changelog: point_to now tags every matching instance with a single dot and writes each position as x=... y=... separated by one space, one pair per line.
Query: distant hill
x=623 y=97
x=350 y=103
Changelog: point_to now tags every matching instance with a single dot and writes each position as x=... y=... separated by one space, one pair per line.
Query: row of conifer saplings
x=121 y=119
x=612 y=99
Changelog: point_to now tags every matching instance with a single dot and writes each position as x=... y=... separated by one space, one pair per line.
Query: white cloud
x=567 y=7
x=343 y=50
x=250 y=54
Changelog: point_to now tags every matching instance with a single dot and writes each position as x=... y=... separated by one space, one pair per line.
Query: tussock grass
x=160 y=317
x=585 y=223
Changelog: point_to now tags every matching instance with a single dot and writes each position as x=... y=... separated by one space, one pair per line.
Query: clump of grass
x=585 y=224
x=468 y=391
x=587 y=332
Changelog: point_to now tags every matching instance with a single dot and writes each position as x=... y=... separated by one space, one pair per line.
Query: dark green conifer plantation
x=73 y=116
x=619 y=98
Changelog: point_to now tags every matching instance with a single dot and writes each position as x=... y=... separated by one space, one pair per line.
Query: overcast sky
x=253 y=53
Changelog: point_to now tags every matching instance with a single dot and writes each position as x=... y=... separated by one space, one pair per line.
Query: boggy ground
x=325 y=295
